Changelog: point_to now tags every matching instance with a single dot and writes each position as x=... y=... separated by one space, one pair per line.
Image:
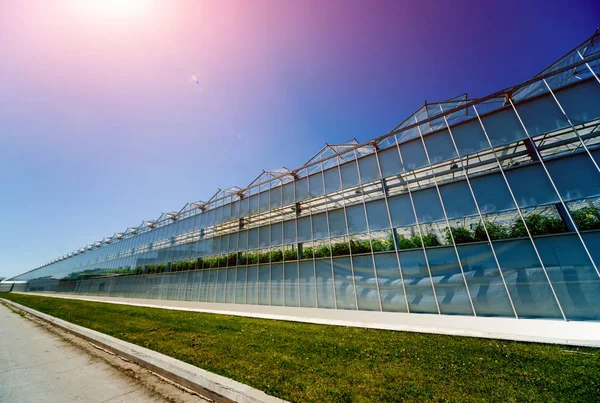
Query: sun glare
x=114 y=9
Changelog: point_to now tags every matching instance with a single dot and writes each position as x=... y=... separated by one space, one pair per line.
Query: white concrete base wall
x=534 y=330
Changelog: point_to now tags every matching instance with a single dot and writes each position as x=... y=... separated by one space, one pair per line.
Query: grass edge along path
x=318 y=363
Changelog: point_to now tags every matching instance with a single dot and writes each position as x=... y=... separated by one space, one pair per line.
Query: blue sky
x=100 y=128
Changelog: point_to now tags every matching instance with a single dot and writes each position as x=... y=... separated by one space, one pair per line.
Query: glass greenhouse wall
x=486 y=207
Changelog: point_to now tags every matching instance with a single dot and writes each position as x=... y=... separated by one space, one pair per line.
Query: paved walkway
x=38 y=366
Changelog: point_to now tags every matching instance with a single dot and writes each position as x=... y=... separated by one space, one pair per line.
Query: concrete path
x=38 y=366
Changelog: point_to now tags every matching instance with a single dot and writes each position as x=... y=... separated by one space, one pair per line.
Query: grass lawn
x=303 y=362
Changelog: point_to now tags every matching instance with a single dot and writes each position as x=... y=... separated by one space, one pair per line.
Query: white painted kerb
x=186 y=374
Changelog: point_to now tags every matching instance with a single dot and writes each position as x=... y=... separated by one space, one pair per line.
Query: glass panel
x=243 y=208
x=448 y=282
x=276 y=197
x=307 y=284
x=413 y=155
x=337 y=222
x=292 y=297
x=264 y=236
x=301 y=189
x=389 y=160
x=401 y=210
x=580 y=101
x=419 y=291
x=526 y=281
x=576 y=177
x=289 y=231
x=277 y=284
x=221 y=281
x=316 y=184
x=503 y=127
x=264 y=202
x=264 y=285
x=521 y=180
x=574 y=279
x=324 y=284
x=288 y=193
x=485 y=283
x=231 y=286
x=253 y=238
x=252 y=287
x=253 y=204
x=276 y=234
x=356 y=219
x=366 y=283
x=304 y=231
x=332 y=180
x=469 y=136
x=344 y=284
x=390 y=282
x=319 y=225
x=458 y=200
x=349 y=175
x=492 y=193
x=243 y=241
x=368 y=168
x=541 y=115
x=240 y=293
x=378 y=217
x=440 y=147
x=427 y=204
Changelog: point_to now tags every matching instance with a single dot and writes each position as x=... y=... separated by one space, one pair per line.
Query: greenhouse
x=472 y=206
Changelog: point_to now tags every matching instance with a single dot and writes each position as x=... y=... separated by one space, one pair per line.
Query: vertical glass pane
x=503 y=127
x=253 y=238
x=252 y=286
x=417 y=282
x=389 y=159
x=304 y=231
x=212 y=286
x=401 y=211
x=264 y=236
x=243 y=241
x=492 y=193
x=319 y=226
x=240 y=293
x=230 y=286
x=349 y=175
x=324 y=284
x=378 y=217
x=575 y=281
x=356 y=219
x=316 y=184
x=288 y=193
x=526 y=281
x=344 y=284
x=307 y=284
x=579 y=101
x=485 y=283
x=413 y=154
x=221 y=282
x=521 y=180
x=301 y=189
x=541 y=115
x=276 y=234
x=276 y=197
x=448 y=282
x=337 y=222
x=390 y=282
x=289 y=231
x=469 y=136
x=427 y=204
x=292 y=297
x=253 y=204
x=277 y=284
x=264 y=201
x=366 y=283
x=458 y=200
x=264 y=285
x=576 y=177
x=439 y=147
x=368 y=168
x=332 y=180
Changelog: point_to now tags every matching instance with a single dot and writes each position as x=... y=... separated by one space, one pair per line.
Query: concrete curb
x=213 y=386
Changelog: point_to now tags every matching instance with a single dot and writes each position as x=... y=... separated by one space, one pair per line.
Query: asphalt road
x=38 y=366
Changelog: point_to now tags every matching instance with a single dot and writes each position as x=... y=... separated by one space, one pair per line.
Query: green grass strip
x=317 y=363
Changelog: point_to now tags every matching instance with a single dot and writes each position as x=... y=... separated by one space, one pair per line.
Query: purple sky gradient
x=100 y=127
